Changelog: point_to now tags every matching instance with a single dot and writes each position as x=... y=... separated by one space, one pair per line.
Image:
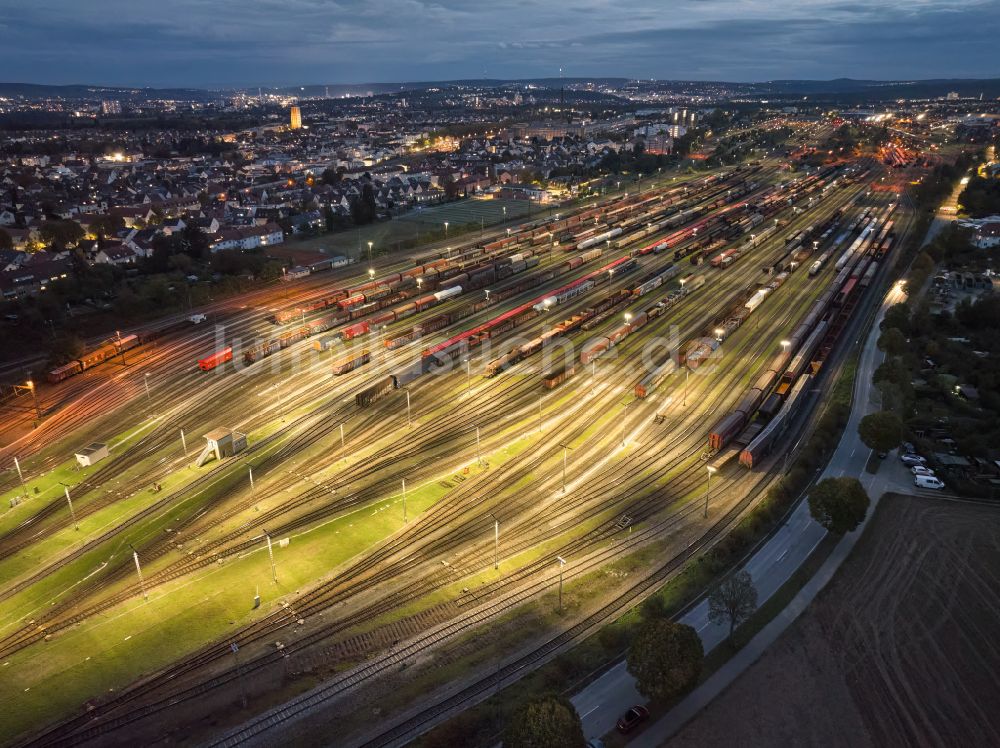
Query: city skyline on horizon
x=227 y=44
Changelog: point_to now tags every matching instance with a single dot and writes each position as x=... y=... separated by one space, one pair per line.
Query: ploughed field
x=899 y=649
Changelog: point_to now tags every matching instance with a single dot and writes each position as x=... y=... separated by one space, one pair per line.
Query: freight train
x=790 y=363
x=92 y=358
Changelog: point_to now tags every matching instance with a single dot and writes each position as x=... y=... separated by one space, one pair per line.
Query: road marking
x=583 y=716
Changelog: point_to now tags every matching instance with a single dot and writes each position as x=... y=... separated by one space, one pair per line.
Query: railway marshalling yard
x=505 y=477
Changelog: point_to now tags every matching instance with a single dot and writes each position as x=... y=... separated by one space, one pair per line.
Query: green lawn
x=112 y=650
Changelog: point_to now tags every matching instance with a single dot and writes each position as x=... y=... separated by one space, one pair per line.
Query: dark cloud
x=251 y=42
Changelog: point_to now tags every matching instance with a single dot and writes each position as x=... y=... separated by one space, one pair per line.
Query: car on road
x=911 y=460
x=632 y=718
x=928 y=481
x=595 y=743
x=921 y=470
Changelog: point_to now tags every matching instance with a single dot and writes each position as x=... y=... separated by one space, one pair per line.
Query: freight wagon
x=219 y=357
x=350 y=363
x=557 y=376
x=375 y=392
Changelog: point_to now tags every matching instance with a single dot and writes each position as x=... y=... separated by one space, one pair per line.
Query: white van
x=927 y=481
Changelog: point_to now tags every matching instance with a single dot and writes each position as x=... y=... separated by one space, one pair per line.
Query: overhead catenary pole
x=253 y=490
x=496 y=543
x=479 y=454
x=409 y=420
x=145 y=381
x=72 y=512
x=184 y=443
x=404 y=501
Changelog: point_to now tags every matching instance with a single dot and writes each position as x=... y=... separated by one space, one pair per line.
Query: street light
x=709 y=487
x=370 y=252
x=487 y=296
x=565 y=449
x=785 y=344
x=371 y=273
x=719 y=332
x=562 y=563
x=628 y=317
x=445 y=229
x=496 y=541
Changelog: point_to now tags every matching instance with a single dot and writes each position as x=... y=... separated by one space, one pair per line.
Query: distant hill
x=989 y=87
x=81 y=91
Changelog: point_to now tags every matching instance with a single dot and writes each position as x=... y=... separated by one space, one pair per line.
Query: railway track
x=541 y=459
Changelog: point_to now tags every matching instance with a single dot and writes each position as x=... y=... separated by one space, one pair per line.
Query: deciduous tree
x=733 y=601
x=547 y=722
x=892 y=341
x=665 y=658
x=881 y=431
x=839 y=504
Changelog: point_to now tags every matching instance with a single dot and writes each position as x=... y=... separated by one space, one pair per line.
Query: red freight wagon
x=220 y=357
x=352 y=331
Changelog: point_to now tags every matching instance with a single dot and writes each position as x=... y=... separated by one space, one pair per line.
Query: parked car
x=595 y=743
x=908 y=448
x=921 y=470
x=632 y=718
x=911 y=460
x=928 y=481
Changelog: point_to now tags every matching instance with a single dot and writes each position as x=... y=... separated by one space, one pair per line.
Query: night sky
x=210 y=43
